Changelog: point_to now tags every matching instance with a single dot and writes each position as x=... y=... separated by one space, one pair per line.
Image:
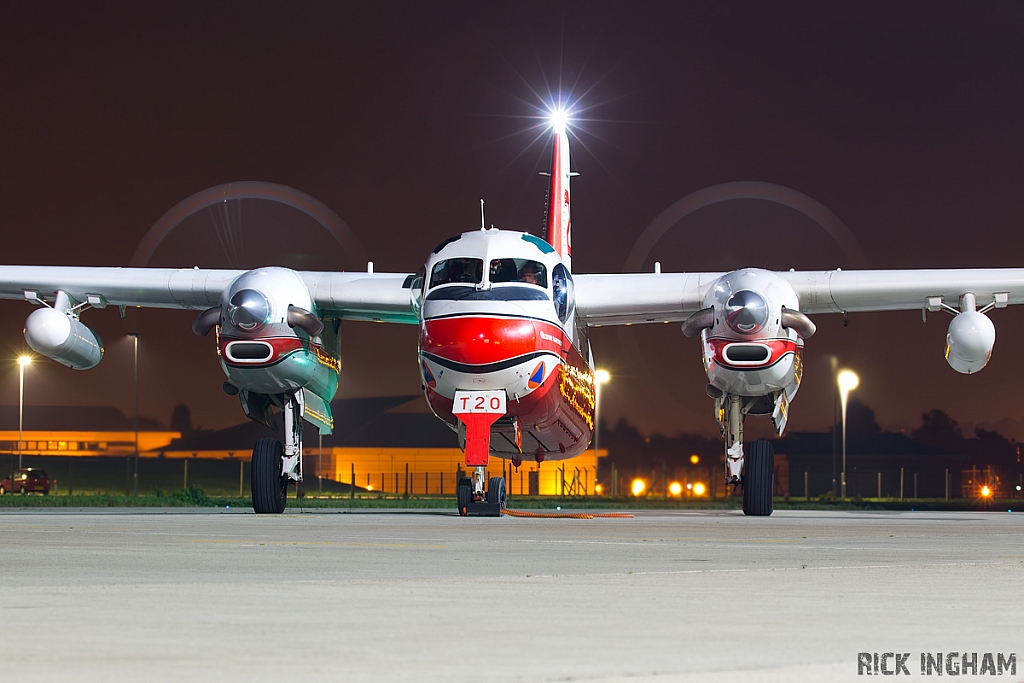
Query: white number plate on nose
x=479 y=402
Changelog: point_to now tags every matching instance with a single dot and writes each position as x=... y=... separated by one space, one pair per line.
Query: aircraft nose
x=478 y=341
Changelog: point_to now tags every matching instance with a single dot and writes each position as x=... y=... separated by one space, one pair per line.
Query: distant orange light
x=694 y=458
x=986 y=492
x=369 y=487
x=638 y=486
x=699 y=489
x=675 y=488
x=598 y=489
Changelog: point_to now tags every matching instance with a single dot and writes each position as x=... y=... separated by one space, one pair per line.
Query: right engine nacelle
x=969 y=342
x=60 y=337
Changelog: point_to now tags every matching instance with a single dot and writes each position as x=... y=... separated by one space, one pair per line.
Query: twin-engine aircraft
x=504 y=354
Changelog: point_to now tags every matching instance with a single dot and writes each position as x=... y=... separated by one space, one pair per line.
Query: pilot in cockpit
x=529 y=273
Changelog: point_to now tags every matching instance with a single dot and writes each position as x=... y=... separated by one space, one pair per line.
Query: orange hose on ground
x=565 y=515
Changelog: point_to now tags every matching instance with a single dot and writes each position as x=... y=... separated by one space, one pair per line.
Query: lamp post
x=600 y=377
x=847 y=381
x=835 y=400
x=23 y=362
x=135 y=475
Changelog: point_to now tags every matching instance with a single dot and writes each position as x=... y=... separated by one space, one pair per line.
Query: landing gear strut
x=477 y=411
x=274 y=465
x=755 y=471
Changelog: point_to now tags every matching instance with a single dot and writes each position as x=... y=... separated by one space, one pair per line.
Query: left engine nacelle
x=60 y=337
x=969 y=342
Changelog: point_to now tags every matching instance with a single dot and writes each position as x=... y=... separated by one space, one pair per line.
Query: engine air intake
x=742 y=354
x=249 y=351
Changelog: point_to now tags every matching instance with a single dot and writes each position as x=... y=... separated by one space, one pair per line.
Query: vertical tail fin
x=559 y=225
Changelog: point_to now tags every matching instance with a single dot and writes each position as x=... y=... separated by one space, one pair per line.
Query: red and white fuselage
x=498 y=314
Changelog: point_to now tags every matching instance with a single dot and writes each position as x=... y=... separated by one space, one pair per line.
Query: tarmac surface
x=102 y=595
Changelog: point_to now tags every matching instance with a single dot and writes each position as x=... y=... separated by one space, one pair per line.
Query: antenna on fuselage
x=483 y=224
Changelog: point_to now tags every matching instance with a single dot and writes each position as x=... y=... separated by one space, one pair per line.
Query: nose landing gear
x=473 y=500
x=478 y=410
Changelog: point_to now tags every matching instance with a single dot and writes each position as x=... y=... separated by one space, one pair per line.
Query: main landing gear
x=274 y=465
x=473 y=500
x=755 y=472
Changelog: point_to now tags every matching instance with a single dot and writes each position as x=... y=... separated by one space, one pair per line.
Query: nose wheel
x=496 y=492
x=464 y=495
x=473 y=500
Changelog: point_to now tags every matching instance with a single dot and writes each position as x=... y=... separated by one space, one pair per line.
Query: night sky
x=904 y=119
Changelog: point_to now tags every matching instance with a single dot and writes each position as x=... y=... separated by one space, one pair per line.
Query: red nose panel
x=483 y=341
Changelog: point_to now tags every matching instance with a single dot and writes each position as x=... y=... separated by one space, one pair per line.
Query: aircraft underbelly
x=755 y=382
x=300 y=369
x=549 y=396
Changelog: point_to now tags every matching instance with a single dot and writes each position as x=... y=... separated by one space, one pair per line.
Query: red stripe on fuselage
x=777 y=349
x=282 y=347
x=479 y=340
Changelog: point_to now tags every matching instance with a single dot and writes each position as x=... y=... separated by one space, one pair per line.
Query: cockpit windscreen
x=519 y=270
x=464 y=270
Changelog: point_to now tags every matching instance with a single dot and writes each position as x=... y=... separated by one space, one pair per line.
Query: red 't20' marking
x=482 y=404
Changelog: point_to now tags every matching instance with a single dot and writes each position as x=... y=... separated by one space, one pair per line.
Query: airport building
x=389 y=444
x=392 y=444
x=96 y=431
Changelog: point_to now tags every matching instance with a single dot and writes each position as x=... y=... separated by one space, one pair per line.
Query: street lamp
x=847 y=381
x=23 y=362
x=600 y=377
x=135 y=476
x=835 y=400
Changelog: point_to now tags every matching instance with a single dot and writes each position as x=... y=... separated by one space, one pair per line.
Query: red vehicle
x=26 y=481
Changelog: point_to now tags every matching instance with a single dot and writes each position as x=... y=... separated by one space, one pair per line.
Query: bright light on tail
x=559 y=119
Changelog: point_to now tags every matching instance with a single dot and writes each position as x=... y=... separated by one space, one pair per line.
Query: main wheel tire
x=464 y=494
x=269 y=487
x=759 y=479
x=496 y=491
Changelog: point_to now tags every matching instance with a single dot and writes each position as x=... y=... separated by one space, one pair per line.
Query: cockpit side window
x=564 y=292
x=518 y=270
x=462 y=270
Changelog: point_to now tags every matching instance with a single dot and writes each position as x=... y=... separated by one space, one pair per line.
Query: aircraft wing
x=377 y=297
x=665 y=297
x=355 y=296
x=834 y=291
x=630 y=298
